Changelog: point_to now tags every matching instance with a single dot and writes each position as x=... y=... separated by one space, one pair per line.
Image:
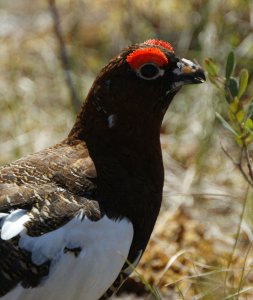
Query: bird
x=75 y=218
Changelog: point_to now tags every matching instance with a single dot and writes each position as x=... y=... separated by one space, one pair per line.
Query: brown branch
x=63 y=56
x=248 y=160
x=238 y=164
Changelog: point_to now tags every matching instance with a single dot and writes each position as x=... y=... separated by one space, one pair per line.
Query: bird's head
x=135 y=89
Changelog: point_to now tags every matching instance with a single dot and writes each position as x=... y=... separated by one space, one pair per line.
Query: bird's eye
x=150 y=71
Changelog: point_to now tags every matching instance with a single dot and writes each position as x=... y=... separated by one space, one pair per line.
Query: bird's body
x=71 y=215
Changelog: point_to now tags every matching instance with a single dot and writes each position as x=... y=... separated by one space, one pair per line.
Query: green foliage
x=238 y=120
x=243 y=82
x=230 y=64
x=239 y=115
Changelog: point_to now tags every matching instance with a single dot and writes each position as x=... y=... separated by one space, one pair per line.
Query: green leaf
x=226 y=125
x=231 y=116
x=230 y=64
x=249 y=131
x=211 y=67
x=249 y=113
x=243 y=82
x=240 y=115
x=234 y=106
x=232 y=86
x=248 y=124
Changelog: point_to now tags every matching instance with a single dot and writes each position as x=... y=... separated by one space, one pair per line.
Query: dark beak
x=187 y=72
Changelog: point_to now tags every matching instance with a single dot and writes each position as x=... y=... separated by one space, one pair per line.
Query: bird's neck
x=127 y=156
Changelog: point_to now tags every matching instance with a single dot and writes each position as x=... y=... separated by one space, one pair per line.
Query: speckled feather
x=53 y=185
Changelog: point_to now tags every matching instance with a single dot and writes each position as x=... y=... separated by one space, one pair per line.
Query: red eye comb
x=146 y=55
x=163 y=44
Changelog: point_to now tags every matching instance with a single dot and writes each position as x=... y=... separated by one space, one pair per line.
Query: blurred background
x=195 y=252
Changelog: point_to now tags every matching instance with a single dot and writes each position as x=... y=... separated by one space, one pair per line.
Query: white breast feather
x=105 y=245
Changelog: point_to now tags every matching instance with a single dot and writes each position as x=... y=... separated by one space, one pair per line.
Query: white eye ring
x=149 y=71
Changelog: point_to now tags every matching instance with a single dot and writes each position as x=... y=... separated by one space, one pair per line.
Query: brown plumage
x=110 y=163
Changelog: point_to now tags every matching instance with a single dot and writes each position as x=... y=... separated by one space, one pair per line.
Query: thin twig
x=241 y=292
x=238 y=165
x=239 y=227
x=243 y=271
x=241 y=168
x=248 y=161
x=63 y=56
x=206 y=274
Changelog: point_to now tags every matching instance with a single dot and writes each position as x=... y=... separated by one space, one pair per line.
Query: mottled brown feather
x=53 y=185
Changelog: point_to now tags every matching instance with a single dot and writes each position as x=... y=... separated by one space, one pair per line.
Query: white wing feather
x=104 y=247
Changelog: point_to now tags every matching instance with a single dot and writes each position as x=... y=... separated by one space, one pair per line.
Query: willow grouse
x=71 y=215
